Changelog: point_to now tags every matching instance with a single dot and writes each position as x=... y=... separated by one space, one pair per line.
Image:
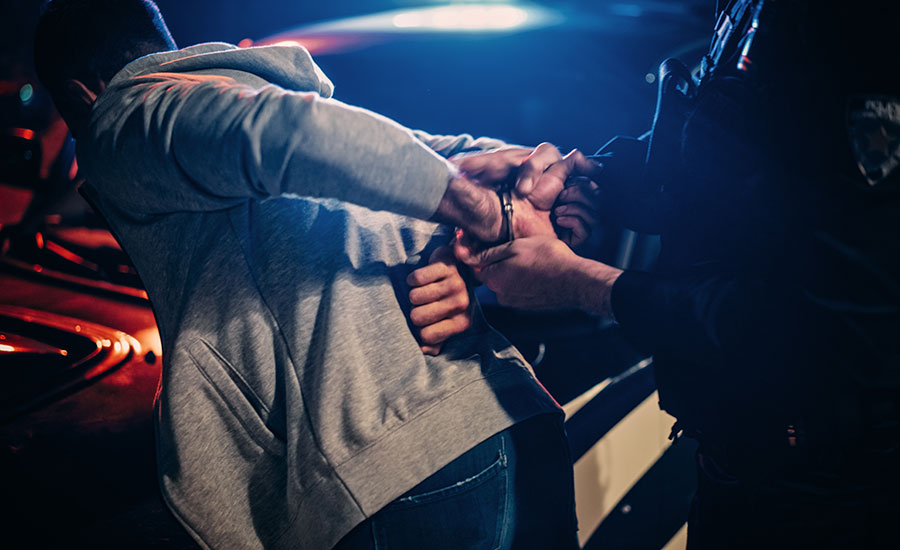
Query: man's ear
x=78 y=92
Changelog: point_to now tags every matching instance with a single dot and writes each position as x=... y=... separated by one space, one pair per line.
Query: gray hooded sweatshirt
x=294 y=400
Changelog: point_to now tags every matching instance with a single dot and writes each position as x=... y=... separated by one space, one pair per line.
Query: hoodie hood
x=288 y=66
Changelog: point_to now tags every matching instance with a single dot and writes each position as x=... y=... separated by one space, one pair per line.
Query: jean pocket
x=466 y=514
x=236 y=394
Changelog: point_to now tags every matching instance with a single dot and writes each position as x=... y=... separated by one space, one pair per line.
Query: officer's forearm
x=703 y=318
x=593 y=286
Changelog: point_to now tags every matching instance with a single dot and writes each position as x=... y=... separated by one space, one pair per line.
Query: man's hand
x=440 y=301
x=543 y=188
x=493 y=167
x=477 y=210
x=542 y=273
x=472 y=207
x=489 y=168
x=577 y=211
x=470 y=201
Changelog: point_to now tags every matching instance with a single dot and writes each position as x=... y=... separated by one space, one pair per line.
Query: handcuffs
x=506 y=208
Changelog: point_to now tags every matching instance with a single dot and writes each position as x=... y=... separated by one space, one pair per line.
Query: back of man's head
x=91 y=40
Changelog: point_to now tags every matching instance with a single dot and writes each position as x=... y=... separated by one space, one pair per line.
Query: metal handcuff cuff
x=506 y=207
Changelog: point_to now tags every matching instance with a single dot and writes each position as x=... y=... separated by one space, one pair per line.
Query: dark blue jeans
x=512 y=491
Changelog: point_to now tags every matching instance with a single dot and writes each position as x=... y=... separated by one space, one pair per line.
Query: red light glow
x=23 y=133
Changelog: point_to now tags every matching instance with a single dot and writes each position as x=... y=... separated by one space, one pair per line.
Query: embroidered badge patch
x=874 y=125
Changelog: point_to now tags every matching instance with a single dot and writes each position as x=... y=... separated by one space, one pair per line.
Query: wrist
x=471 y=207
x=593 y=289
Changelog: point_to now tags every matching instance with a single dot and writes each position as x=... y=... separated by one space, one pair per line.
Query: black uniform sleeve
x=705 y=318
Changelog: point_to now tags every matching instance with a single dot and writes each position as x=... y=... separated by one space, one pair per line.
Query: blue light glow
x=626 y=10
x=466 y=18
x=26 y=93
x=463 y=18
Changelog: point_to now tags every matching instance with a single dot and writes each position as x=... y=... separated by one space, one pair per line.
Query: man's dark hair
x=91 y=40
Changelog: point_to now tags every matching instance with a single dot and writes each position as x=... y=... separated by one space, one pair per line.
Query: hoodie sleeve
x=447 y=146
x=188 y=142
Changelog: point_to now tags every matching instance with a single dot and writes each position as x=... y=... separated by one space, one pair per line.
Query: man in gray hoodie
x=296 y=408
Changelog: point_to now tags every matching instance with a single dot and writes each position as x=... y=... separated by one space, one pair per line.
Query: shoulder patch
x=873 y=123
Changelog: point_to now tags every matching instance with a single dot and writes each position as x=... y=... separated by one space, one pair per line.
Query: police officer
x=773 y=179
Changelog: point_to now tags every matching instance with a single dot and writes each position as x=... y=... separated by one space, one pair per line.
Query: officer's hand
x=577 y=212
x=541 y=273
x=528 y=221
x=525 y=273
x=440 y=301
x=543 y=188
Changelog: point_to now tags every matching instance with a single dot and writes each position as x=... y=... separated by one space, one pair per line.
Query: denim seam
x=504 y=523
x=460 y=486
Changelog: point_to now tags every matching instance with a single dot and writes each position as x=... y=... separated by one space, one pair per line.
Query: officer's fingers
x=437 y=291
x=576 y=210
x=583 y=182
x=577 y=231
x=573 y=223
x=580 y=190
x=543 y=157
x=498 y=254
x=553 y=181
x=478 y=259
x=583 y=166
x=439 y=332
x=575 y=164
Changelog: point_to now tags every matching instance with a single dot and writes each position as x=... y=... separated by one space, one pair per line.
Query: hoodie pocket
x=236 y=394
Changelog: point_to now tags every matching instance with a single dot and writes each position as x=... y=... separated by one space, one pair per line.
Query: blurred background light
x=460 y=18
x=463 y=18
x=626 y=10
x=26 y=93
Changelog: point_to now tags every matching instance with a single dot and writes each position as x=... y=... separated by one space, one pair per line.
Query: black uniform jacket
x=774 y=312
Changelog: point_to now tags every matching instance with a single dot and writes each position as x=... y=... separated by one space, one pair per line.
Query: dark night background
x=575 y=84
